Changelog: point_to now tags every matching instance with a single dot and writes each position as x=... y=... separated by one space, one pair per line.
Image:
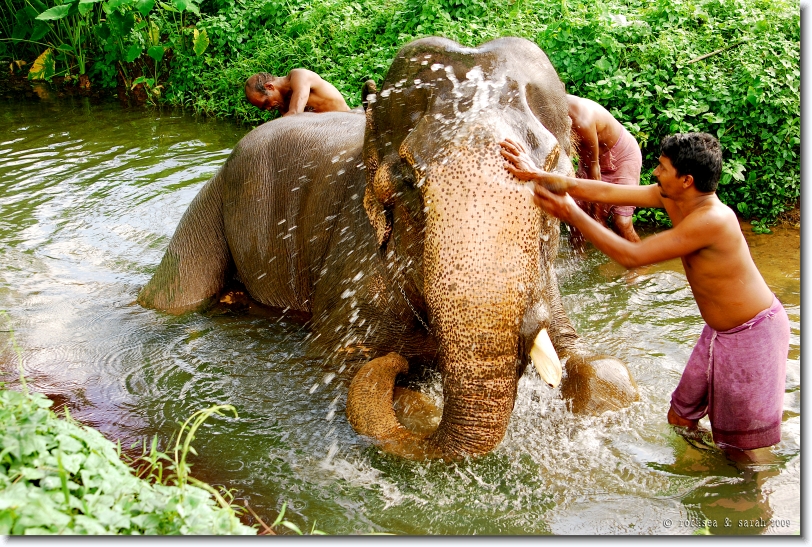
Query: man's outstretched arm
x=690 y=235
x=522 y=166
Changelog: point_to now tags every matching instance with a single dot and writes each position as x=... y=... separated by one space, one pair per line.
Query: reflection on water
x=89 y=198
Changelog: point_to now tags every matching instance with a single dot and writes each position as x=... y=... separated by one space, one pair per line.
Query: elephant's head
x=461 y=236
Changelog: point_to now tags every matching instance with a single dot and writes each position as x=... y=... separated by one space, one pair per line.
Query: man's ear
x=269 y=86
x=688 y=181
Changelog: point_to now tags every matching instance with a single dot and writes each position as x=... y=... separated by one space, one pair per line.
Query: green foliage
x=58 y=477
x=727 y=67
x=114 y=41
x=646 y=62
x=653 y=71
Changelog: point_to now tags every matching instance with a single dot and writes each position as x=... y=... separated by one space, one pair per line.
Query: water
x=89 y=197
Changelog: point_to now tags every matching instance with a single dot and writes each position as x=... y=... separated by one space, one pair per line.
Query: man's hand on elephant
x=560 y=206
x=522 y=166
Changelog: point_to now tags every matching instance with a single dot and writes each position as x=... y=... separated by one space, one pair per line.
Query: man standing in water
x=291 y=94
x=607 y=152
x=736 y=372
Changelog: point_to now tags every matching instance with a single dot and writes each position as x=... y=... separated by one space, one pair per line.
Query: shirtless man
x=607 y=152
x=736 y=372
x=291 y=94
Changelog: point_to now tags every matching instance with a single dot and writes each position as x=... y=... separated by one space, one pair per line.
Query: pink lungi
x=621 y=164
x=737 y=378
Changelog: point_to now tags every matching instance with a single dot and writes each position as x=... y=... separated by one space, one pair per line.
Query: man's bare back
x=597 y=130
x=607 y=152
x=726 y=284
x=301 y=89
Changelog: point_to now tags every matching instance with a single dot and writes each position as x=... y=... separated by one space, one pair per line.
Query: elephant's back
x=285 y=186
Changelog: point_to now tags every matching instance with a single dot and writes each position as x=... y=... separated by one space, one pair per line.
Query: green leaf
x=118 y=4
x=167 y=7
x=120 y=23
x=86 y=6
x=201 y=42
x=55 y=13
x=154 y=34
x=132 y=53
x=38 y=5
x=26 y=14
x=43 y=67
x=604 y=64
x=21 y=30
x=144 y=6
x=156 y=52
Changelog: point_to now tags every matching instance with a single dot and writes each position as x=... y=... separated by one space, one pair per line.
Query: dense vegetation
x=58 y=477
x=728 y=67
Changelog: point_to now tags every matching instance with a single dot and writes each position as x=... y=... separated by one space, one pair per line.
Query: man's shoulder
x=716 y=218
x=303 y=74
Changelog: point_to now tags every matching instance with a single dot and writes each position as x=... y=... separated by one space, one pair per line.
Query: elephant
x=404 y=243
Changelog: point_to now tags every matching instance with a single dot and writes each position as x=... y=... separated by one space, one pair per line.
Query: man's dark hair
x=257 y=82
x=695 y=154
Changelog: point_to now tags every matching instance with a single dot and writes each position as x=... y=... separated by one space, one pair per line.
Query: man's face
x=667 y=178
x=271 y=99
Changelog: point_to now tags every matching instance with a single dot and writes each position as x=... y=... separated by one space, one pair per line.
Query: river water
x=89 y=198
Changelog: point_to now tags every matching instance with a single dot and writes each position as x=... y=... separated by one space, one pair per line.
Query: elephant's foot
x=416 y=411
x=596 y=384
x=371 y=409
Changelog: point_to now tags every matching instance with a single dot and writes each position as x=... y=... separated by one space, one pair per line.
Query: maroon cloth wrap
x=737 y=378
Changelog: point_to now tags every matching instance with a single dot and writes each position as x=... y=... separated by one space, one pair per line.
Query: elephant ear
x=368 y=89
x=377 y=216
x=379 y=190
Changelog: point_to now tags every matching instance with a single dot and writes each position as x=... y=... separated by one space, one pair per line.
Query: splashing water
x=91 y=196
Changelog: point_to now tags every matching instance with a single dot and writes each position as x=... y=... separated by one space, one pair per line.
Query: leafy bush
x=58 y=477
x=647 y=62
x=113 y=42
x=728 y=67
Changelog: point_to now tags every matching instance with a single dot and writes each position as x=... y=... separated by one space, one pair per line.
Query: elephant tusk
x=545 y=359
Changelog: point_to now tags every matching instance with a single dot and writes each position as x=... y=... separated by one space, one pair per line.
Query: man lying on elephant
x=607 y=152
x=736 y=372
x=300 y=90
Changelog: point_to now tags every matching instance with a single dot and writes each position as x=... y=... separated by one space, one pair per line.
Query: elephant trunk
x=481 y=266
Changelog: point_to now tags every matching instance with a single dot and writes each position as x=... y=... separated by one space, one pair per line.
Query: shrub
x=58 y=477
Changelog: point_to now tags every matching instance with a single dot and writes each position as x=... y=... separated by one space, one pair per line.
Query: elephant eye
x=406 y=175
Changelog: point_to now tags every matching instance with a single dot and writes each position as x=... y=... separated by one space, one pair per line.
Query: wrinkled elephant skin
x=405 y=241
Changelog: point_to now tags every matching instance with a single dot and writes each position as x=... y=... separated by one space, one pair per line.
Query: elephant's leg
x=596 y=384
x=194 y=267
x=371 y=409
x=593 y=384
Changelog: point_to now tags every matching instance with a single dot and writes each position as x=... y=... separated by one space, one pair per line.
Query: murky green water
x=89 y=197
